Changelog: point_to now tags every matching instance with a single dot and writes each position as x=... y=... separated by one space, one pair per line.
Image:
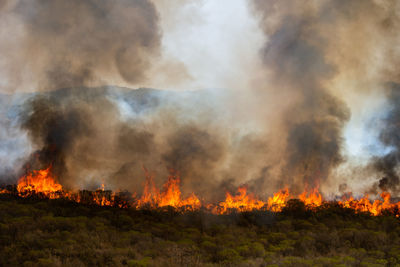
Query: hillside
x=35 y=232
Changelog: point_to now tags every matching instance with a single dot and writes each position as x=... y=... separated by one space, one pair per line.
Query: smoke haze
x=295 y=79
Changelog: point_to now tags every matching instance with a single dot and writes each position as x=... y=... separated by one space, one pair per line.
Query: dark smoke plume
x=390 y=136
x=107 y=135
x=294 y=56
x=74 y=43
x=286 y=130
x=85 y=135
x=317 y=54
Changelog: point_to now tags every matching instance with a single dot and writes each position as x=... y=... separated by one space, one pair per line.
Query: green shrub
x=146 y=261
x=229 y=255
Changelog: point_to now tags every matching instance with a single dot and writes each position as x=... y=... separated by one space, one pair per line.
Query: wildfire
x=247 y=202
x=39 y=181
x=43 y=183
x=240 y=202
x=278 y=201
x=4 y=191
x=365 y=205
x=313 y=198
x=170 y=195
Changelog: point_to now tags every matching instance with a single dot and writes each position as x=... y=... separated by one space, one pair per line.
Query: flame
x=4 y=191
x=170 y=195
x=150 y=196
x=39 y=181
x=313 y=198
x=278 y=201
x=43 y=183
x=365 y=205
x=102 y=198
x=241 y=202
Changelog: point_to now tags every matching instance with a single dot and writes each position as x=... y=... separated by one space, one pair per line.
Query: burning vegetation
x=43 y=183
x=309 y=96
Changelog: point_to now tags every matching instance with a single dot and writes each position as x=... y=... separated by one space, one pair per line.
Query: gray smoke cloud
x=108 y=134
x=388 y=165
x=73 y=43
x=14 y=143
x=311 y=49
x=286 y=130
x=295 y=58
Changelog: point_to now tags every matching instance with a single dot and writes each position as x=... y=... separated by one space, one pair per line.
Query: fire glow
x=170 y=196
x=43 y=183
x=40 y=181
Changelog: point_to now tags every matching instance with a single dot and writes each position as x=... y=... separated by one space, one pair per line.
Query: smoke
x=69 y=125
x=294 y=57
x=14 y=142
x=388 y=164
x=279 y=121
x=322 y=58
x=74 y=43
x=107 y=135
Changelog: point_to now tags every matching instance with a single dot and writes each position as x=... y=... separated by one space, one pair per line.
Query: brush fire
x=43 y=184
x=199 y=133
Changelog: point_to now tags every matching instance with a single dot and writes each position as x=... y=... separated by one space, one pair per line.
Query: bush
x=229 y=255
x=56 y=233
x=146 y=261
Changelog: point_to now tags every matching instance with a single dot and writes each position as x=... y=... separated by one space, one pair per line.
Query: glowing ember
x=4 y=191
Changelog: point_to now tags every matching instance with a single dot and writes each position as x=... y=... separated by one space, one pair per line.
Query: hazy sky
x=218 y=42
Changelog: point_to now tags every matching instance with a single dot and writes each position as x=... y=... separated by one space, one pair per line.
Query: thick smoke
x=318 y=55
x=388 y=164
x=14 y=142
x=294 y=56
x=74 y=43
x=286 y=129
x=80 y=134
x=107 y=135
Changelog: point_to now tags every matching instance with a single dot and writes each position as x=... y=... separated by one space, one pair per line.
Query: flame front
x=241 y=202
x=278 y=201
x=376 y=207
x=43 y=183
x=170 y=195
x=313 y=198
x=39 y=181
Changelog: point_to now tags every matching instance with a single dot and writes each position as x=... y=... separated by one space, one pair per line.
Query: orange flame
x=241 y=202
x=4 y=191
x=278 y=201
x=170 y=196
x=365 y=205
x=44 y=183
x=40 y=181
x=313 y=198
